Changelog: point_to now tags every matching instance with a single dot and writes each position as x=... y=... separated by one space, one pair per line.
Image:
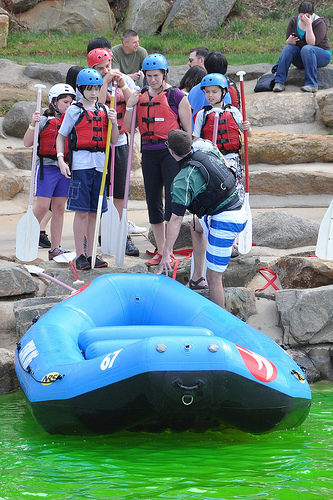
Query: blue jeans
x=308 y=58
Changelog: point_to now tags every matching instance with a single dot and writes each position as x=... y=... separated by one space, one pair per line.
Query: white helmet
x=60 y=89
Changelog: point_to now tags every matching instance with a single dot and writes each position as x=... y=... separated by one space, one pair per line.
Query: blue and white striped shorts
x=221 y=231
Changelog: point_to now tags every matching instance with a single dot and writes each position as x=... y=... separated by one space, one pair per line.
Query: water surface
x=289 y=465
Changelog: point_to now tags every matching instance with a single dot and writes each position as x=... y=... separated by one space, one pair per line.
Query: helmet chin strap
x=55 y=107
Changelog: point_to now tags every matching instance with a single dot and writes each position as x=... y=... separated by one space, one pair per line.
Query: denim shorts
x=84 y=191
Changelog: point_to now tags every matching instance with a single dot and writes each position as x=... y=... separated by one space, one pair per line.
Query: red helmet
x=97 y=56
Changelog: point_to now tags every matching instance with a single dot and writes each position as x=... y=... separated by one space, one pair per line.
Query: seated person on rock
x=307 y=47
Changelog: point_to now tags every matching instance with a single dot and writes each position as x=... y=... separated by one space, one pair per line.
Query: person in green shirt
x=206 y=186
x=128 y=56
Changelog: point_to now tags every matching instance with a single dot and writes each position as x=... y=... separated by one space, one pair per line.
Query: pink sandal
x=157 y=259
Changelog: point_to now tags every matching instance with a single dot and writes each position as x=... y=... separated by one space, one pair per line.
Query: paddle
x=67 y=258
x=324 y=247
x=110 y=219
x=245 y=237
x=101 y=191
x=40 y=272
x=27 y=231
x=122 y=232
x=216 y=124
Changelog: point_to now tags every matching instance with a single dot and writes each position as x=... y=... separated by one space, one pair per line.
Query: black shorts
x=120 y=168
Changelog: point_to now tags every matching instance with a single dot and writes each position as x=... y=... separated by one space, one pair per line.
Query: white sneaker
x=134 y=229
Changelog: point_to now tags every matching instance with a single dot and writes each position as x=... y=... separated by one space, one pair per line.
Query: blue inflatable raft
x=141 y=351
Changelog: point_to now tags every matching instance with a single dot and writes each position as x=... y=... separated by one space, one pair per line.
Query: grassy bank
x=254 y=32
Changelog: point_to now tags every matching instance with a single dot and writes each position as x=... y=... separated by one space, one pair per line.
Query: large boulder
x=183 y=15
x=279 y=229
x=10 y=185
x=324 y=77
x=16 y=281
x=70 y=16
x=19 y=6
x=325 y=103
x=279 y=147
x=268 y=108
x=147 y=15
x=16 y=121
x=20 y=158
x=304 y=272
x=8 y=379
x=282 y=181
x=51 y=73
x=202 y=16
x=306 y=315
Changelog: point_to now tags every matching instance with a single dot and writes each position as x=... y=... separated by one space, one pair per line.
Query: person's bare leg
x=41 y=208
x=80 y=230
x=159 y=234
x=45 y=220
x=199 y=249
x=57 y=221
x=216 y=290
x=119 y=204
x=91 y=222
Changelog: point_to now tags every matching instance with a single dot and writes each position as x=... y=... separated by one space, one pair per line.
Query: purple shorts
x=84 y=191
x=53 y=185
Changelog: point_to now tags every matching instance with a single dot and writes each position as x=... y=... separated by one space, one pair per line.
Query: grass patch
x=254 y=32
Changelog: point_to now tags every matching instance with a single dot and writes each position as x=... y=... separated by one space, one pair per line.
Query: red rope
x=270 y=281
x=187 y=255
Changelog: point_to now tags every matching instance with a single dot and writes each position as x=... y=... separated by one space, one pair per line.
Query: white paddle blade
x=121 y=240
x=27 y=237
x=33 y=269
x=109 y=229
x=245 y=237
x=324 y=247
x=65 y=257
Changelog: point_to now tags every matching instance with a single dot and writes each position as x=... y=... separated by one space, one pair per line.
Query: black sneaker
x=131 y=250
x=44 y=242
x=234 y=252
x=99 y=263
x=82 y=263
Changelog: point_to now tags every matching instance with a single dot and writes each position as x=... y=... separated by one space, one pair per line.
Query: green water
x=295 y=464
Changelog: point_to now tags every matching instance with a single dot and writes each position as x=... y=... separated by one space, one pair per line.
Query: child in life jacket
x=86 y=123
x=230 y=124
x=51 y=185
x=101 y=60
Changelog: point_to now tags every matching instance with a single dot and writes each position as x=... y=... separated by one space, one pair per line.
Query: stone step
x=299 y=185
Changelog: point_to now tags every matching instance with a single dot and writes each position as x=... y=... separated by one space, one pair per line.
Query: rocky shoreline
x=288 y=168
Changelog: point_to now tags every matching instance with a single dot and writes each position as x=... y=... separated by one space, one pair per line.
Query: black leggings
x=159 y=169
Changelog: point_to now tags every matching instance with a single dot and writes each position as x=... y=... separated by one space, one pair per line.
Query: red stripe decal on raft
x=78 y=291
x=260 y=367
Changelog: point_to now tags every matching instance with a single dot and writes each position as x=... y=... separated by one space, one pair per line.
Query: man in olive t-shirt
x=128 y=56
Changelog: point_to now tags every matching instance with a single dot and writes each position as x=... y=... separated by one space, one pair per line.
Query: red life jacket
x=121 y=110
x=155 y=116
x=234 y=93
x=228 y=135
x=47 y=139
x=90 y=131
x=120 y=107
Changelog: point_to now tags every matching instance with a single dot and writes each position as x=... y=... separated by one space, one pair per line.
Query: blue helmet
x=155 y=61
x=214 y=79
x=89 y=76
